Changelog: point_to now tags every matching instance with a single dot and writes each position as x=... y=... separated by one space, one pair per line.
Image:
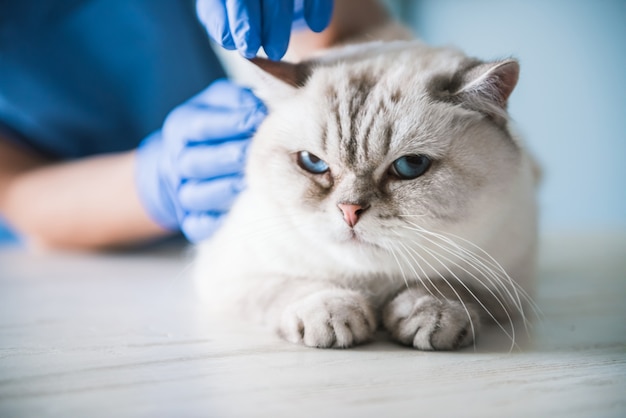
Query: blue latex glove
x=247 y=25
x=190 y=171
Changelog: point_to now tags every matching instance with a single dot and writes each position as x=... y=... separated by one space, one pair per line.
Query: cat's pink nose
x=352 y=212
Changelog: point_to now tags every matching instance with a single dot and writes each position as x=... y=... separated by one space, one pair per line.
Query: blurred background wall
x=570 y=103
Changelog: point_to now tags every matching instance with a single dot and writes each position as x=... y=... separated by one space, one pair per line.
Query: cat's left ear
x=486 y=87
x=280 y=79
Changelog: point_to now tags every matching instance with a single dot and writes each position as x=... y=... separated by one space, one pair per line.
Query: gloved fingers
x=193 y=125
x=244 y=19
x=201 y=226
x=317 y=14
x=227 y=95
x=211 y=161
x=276 y=27
x=246 y=25
x=215 y=195
x=212 y=14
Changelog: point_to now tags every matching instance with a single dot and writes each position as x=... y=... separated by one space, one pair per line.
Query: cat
x=385 y=188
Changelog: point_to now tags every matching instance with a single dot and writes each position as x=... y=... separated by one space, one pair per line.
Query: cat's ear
x=280 y=79
x=294 y=75
x=486 y=87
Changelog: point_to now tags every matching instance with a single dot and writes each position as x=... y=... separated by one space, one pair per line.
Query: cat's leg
x=427 y=320
x=315 y=314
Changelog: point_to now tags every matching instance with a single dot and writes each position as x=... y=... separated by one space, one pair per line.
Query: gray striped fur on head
x=371 y=104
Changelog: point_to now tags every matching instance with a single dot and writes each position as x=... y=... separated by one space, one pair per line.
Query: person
x=117 y=124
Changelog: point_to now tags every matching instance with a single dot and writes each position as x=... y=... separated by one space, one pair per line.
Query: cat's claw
x=430 y=323
x=330 y=318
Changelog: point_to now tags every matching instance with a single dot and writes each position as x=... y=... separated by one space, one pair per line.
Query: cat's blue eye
x=410 y=166
x=311 y=163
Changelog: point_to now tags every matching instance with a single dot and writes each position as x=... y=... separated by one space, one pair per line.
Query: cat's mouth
x=353 y=237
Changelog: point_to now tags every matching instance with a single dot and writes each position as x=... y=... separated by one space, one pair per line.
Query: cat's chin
x=355 y=239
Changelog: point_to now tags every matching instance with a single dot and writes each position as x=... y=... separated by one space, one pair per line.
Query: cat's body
x=384 y=187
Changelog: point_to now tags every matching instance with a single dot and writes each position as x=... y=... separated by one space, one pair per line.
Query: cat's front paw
x=426 y=322
x=329 y=318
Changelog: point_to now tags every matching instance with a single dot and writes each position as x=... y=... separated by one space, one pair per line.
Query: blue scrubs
x=84 y=77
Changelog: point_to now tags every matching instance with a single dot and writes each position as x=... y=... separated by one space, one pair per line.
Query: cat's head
x=367 y=142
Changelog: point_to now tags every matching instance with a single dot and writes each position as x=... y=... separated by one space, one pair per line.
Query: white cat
x=385 y=187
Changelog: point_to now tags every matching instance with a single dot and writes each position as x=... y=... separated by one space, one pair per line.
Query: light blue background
x=570 y=103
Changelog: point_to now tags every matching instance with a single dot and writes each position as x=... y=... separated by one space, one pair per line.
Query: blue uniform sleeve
x=86 y=77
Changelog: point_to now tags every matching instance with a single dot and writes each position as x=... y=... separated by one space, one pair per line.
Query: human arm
x=184 y=176
x=88 y=203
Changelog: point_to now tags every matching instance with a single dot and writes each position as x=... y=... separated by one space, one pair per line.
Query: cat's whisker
x=461 y=254
x=408 y=251
x=413 y=216
x=498 y=274
x=418 y=277
x=501 y=277
x=476 y=278
x=469 y=257
x=497 y=298
x=491 y=260
x=438 y=256
x=520 y=296
x=458 y=296
x=393 y=253
x=519 y=291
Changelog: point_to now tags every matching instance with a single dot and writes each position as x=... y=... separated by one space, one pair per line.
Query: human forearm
x=91 y=203
x=351 y=19
x=185 y=176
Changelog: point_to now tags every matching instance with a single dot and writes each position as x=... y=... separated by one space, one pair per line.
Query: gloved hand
x=247 y=25
x=190 y=171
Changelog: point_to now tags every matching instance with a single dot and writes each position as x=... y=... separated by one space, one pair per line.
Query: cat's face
x=371 y=146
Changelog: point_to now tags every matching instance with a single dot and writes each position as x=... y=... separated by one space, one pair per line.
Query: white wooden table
x=123 y=334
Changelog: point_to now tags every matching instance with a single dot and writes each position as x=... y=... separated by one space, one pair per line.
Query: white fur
x=294 y=267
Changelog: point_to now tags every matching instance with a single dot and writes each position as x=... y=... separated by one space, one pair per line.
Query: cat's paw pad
x=329 y=318
x=430 y=323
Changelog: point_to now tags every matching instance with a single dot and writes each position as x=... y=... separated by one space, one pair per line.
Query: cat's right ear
x=280 y=79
